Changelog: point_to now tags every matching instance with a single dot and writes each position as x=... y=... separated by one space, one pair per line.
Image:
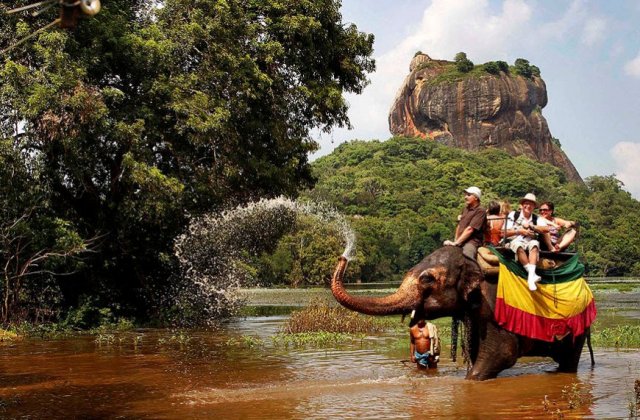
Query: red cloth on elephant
x=551 y=312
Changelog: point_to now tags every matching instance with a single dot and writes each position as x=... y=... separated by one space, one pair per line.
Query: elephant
x=446 y=283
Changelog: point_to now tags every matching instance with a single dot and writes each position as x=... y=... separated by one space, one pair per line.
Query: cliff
x=476 y=110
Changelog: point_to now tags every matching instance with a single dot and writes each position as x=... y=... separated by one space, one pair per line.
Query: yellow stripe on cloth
x=554 y=301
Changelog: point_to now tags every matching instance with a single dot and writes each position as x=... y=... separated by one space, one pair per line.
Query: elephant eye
x=426 y=277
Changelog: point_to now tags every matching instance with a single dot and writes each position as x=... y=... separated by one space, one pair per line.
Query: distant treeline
x=403 y=197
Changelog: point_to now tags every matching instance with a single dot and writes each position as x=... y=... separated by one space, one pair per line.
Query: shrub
x=491 y=67
x=522 y=67
x=503 y=66
x=320 y=317
x=463 y=64
x=535 y=71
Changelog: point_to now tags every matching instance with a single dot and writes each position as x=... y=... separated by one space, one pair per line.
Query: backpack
x=534 y=217
x=534 y=220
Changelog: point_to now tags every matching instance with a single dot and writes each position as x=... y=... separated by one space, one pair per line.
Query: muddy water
x=199 y=374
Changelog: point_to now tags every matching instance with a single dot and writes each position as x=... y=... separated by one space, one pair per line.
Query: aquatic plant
x=574 y=396
x=7 y=335
x=106 y=339
x=634 y=404
x=245 y=341
x=137 y=341
x=319 y=316
x=620 y=336
x=316 y=338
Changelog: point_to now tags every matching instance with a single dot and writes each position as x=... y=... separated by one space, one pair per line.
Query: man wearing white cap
x=470 y=230
x=522 y=229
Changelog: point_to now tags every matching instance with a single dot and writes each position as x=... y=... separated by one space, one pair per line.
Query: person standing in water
x=424 y=347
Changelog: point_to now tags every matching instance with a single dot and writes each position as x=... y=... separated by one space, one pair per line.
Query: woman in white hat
x=523 y=228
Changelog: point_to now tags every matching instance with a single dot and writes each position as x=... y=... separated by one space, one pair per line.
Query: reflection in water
x=202 y=376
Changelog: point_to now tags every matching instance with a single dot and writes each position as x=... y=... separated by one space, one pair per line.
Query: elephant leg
x=497 y=351
x=568 y=352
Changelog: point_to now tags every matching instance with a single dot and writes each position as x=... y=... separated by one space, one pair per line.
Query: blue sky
x=588 y=53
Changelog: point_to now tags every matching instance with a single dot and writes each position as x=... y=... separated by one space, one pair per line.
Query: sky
x=588 y=53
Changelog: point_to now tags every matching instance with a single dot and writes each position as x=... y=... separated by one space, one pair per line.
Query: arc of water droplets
x=268 y=207
x=212 y=249
x=328 y=214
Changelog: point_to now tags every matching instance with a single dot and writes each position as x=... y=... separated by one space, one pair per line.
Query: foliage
x=315 y=339
x=303 y=257
x=620 y=336
x=523 y=68
x=318 y=316
x=463 y=64
x=418 y=197
x=491 y=67
x=145 y=115
x=495 y=67
x=35 y=245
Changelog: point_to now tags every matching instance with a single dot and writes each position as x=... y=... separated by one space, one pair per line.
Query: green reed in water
x=320 y=317
x=317 y=338
x=320 y=324
x=574 y=397
x=620 y=336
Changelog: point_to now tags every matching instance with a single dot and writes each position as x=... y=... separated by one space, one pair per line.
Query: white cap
x=474 y=191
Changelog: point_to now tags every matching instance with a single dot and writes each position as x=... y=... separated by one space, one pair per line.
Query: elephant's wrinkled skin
x=445 y=283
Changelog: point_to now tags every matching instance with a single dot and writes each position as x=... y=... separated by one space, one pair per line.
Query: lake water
x=217 y=374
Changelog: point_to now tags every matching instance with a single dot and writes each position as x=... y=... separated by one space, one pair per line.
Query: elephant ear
x=471 y=278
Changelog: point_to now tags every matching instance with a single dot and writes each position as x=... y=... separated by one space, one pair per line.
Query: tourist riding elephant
x=446 y=283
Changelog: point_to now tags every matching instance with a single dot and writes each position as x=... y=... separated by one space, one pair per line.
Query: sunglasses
x=545 y=210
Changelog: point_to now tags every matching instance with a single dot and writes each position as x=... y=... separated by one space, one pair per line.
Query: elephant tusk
x=90 y=7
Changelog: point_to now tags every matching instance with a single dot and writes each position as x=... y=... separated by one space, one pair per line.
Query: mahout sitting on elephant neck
x=446 y=283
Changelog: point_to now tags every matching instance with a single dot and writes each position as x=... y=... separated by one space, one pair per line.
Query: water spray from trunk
x=214 y=251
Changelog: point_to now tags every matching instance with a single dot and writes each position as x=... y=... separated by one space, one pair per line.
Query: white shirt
x=519 y=224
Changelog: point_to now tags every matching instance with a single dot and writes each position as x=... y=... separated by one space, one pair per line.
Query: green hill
x=403 y=196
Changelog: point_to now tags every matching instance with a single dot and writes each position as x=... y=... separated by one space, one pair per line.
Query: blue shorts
x=422 y=358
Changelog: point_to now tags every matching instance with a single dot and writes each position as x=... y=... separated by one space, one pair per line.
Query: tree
x=503 y=66
x=146 y=115
x=495 y=67
x=463 y=64
x=35 y=245
x=422 y=198
x=491 y=67
x=522 y=67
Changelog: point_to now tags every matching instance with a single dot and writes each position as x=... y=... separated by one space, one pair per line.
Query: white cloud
x=593 y=31
x=627 y=157
x=446 y=28
x=566 y=23
x=632 y=68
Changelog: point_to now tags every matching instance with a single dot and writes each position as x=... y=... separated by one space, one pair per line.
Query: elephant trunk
x=405 y=299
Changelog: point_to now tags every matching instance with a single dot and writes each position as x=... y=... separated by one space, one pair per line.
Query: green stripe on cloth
x=571 y=270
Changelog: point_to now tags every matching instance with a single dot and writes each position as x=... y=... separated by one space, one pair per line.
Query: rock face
x=478 y=111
